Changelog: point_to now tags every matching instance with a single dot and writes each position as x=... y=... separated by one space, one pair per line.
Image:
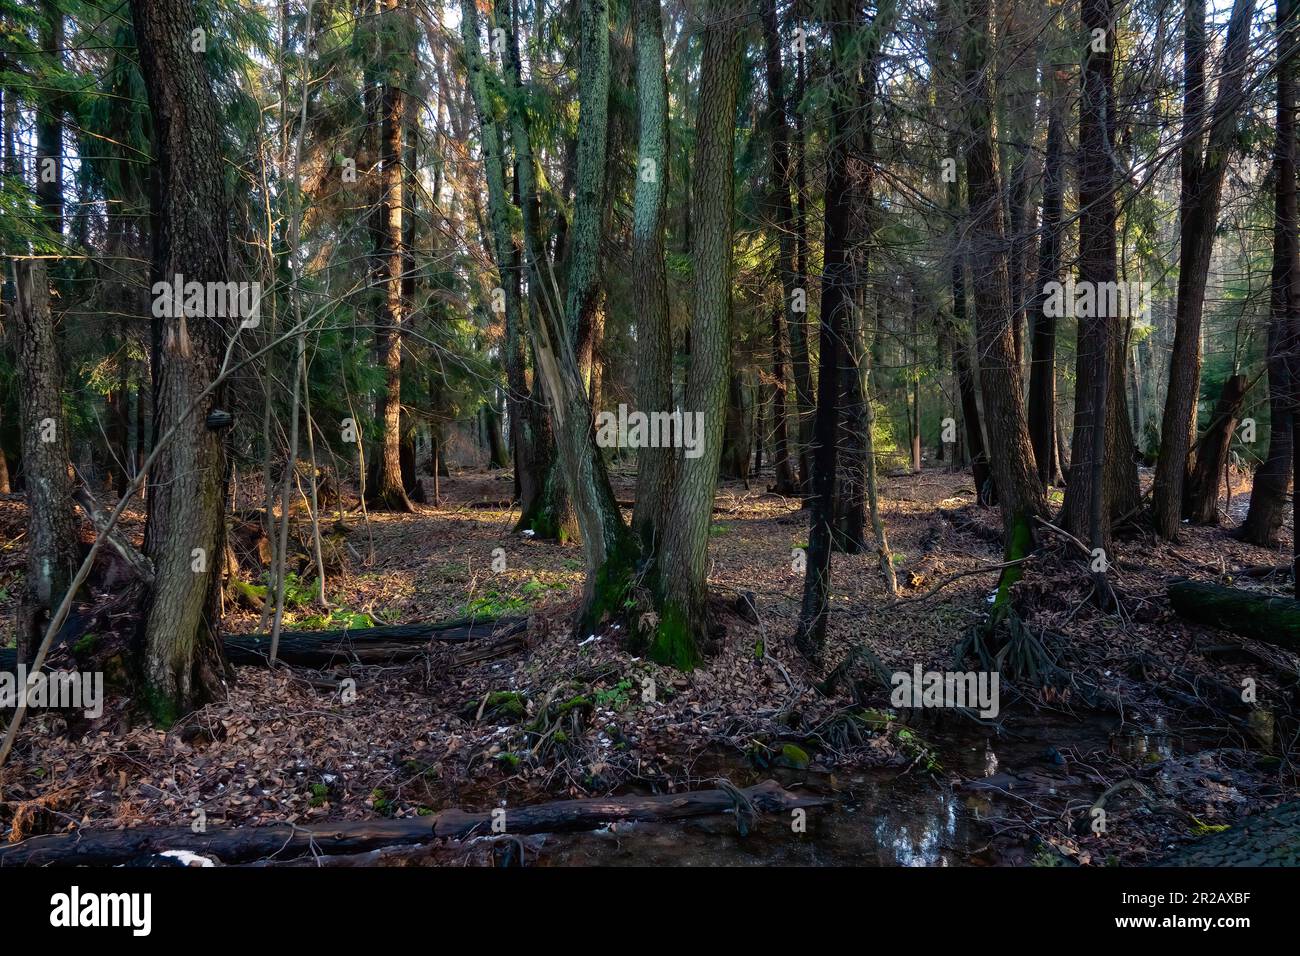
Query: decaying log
x=1268 y=618
x=565 y=815
x=367 y=645
x=285 y=841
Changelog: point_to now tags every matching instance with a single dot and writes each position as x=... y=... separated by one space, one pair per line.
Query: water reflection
x=924 y=840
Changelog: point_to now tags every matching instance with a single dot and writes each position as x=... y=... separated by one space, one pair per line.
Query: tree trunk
x=914 y=417
x=545 y=506
x=981 y=473
x=1087 y=504
x=835 y=305
x=1268 y=496
x=384 y=489
x=656 y=467
x=235 y=845
x=883 y=553
x=1202 y=184
x=609 y=549
x=184 y=665
x=53 y=549
x=736 y=434
x=1212 y=457
x=784 y=483
x=498 y=457
x=682 y=563
x=787 y=240
x=49 y=127
x=1020 y=491
x=1042 y=369
x=849 y=532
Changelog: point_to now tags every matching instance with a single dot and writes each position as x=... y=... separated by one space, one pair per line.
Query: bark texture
x=53 y=550
x=186 y=531
x=1268 y=495
x=683 y=559
x=1202 y=185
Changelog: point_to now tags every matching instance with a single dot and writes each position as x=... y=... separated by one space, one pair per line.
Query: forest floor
x=1141 y=720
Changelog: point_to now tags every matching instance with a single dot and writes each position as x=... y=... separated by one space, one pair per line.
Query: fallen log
x=567 y=815
x=236 y=845
x=1264 y=617
x=1266 y=839
x=367 y=645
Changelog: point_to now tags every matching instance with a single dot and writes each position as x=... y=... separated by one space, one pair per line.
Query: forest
x=442 y=433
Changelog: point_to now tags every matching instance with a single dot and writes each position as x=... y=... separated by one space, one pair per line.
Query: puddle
x=878 y=822
x=880 y=817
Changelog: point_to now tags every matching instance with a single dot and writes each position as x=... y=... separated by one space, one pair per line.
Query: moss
x=506 y=703
x=1205 y=829
x=161 y=707
x=579 y=702
x=1020 y=541
x=918 y=750
x=612 y=581
x=674 y=644
x=875 y=719
x=508 y=760
x=793 y=756
x=86 y=644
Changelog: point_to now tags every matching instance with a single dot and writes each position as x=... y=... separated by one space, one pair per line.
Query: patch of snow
x=187 y=858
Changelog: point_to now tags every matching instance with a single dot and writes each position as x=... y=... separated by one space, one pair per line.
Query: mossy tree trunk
x=683 y=558
x=654 y=383
x=608 y=546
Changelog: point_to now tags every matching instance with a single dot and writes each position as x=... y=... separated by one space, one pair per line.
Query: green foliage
x=494 y=603
x=337 y=619
x=615 y=697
